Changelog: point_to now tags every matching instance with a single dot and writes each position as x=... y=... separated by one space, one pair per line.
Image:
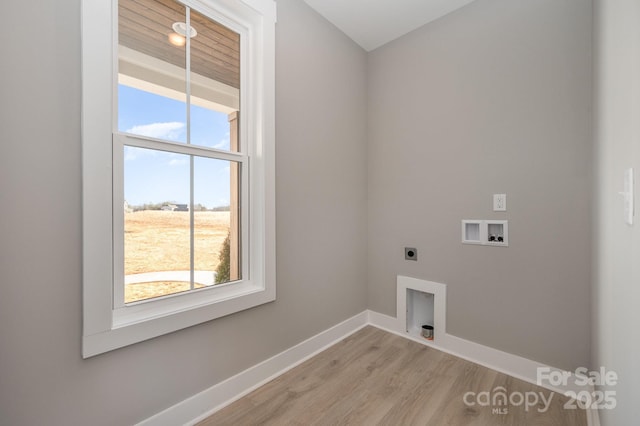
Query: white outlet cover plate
x=499 y=202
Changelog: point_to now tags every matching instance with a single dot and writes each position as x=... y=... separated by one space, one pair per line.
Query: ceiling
x=372 y=23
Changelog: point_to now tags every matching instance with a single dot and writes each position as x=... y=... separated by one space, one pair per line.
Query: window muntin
x=181 y=219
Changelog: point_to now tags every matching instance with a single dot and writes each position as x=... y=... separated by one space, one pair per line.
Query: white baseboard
x=207 y=402
x=503 y=362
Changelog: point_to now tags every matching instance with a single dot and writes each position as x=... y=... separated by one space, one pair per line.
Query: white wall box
x=497 y=233
x=421 y=302
x=486 y=232
x=472 y=231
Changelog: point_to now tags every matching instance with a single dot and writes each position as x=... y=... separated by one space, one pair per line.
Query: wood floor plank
x=377 y=378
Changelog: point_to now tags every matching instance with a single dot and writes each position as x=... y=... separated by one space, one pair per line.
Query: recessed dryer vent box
x=418 y=303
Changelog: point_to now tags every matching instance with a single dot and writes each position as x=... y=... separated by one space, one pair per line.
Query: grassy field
x=157 y=241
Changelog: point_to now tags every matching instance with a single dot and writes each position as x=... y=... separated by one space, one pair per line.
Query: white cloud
x=223 y=144
x=171 y=130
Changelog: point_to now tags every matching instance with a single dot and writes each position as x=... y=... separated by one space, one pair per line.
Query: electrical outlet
x=499 y=202
x=410 y=253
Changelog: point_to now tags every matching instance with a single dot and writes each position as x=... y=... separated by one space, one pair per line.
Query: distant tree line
x=148 y=206
x=196 y=208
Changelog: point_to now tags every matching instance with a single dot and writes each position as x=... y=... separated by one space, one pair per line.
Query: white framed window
x=178 y=134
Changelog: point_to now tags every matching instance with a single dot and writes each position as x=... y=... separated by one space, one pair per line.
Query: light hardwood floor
x=377 y=378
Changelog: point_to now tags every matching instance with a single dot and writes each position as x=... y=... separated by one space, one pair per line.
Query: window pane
x=147 y=114
x=152 y=69
x=216 y=232
x=215 y=84
x=213 y=129
x=157 y=223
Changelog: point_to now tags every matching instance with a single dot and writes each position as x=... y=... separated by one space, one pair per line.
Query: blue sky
x=155 y=176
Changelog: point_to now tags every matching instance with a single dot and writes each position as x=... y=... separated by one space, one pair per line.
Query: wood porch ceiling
x=144 y=26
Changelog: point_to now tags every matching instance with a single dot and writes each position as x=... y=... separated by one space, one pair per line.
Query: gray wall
x=494 y=98
x=321 y=236
x=616 y=292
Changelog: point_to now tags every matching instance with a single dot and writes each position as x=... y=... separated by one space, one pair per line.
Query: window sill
x=150 y=319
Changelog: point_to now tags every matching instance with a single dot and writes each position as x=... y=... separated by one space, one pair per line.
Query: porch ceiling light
x=178 y=37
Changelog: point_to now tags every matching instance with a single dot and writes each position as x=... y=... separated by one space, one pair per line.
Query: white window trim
x=102 y=329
